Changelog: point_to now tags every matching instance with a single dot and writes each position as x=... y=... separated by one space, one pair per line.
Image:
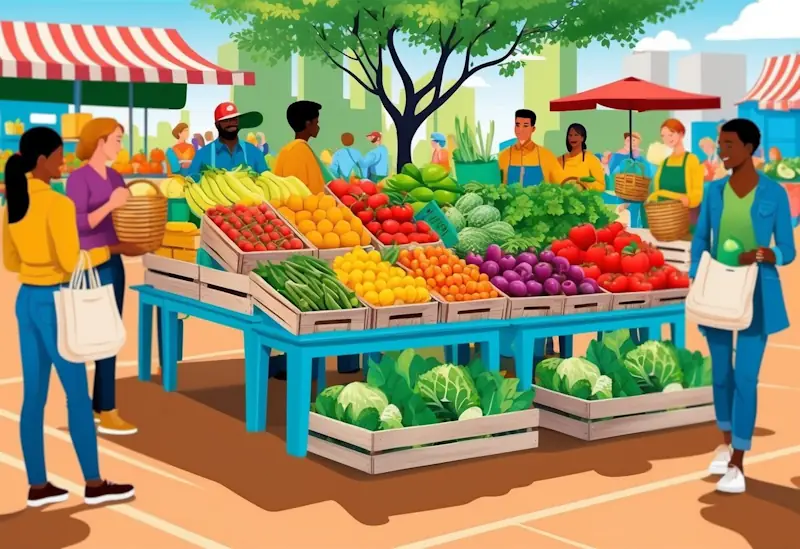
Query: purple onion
x=560 y=264
x=507 y=263
x=527 y=258
x=524 y=271
x=593 y=283
x=534 y=288
x=517 y=288
x=559 y=277
x=542 y=271
x=586 y=288
x=569 y=288
x=474 y=259
x=493 y=253
x=490 y=268
x=500 y=283
x=511 y=276
x=551 y=286
x=575 y=274
x=547 y=256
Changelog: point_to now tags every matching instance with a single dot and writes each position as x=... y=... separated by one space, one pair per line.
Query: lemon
x=294 y=203
x=370 y=267
x=318 y=215
x=330 y=240
x=324 y=227
x=384 y=267
x=311 y=203
x=306 y=226
x=348 y=256
x=337 y=261
x=315 y=238
x=397 y=271
x=395 y=282
x=326 y=202
x=419 y=282
x=369 y=276
x=349 y=238
x=423 y=296
x=359 y=253
x=357 y=276
x=372 y=297
x=369 y=286
x=399 y=293
x=408 y=280
x=341 y=227
x=380 y=285
x=386 y=297
x=358 y=288
x=347 y=266
x=343 y=278
x=375 y=256
x=383 y=276
x=334 y=215
x=411 y=294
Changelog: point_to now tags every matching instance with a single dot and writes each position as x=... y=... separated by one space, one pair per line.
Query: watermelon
x=483 y=215
x=456 y=218
x=500 y=231
x=468 y=202
x=473 y=239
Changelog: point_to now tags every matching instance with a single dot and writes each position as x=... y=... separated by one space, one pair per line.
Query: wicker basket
x=630 y=186
x=143 y=219
x=668 y=220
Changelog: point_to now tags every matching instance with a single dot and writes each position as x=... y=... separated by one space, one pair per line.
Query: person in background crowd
x=632 y=142
x=41 y=243
x=375 y=165
x=97 y=190
x=451 y=144
x=346 y=161
x=754 y=210
x=180 y=155
x=680 y=176
x=526 y=162
x=580 y=163
x=712 y=162
x=198 y=142
x=229 y=151
x=209 y=135
x=297 y=158
x=441 y=156
x=261 y=141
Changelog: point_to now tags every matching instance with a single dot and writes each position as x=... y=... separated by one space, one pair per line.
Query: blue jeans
x=736 y=385
x=36 y=316
x=104 y=396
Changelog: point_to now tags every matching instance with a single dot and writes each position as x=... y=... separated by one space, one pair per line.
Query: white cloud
x=663 y=41
x=763 y=20
x=475 y=81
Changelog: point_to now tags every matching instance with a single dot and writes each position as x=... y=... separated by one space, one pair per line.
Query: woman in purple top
x=97 y=190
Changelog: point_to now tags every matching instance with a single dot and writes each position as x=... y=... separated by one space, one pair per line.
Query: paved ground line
x=784 y=346
x=64 y=437
x=556 y=537
x=127 y=510
x=781 y=387
x=586 y=503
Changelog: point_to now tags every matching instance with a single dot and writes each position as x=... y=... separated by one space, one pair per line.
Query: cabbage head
x=576 y=376
x=654 y=365
x=361 y=404
x=448 y=390
x=325 y=404
x=545 y=372
x=471 y=413
x=391 y=418
x=672 y=387
x=602 y=388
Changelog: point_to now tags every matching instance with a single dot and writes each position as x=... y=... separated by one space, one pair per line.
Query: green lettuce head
x=448 y=390
x=361 y=404
x=545 y=373
x=576 y=376
x=325 y=404
x=654 y=365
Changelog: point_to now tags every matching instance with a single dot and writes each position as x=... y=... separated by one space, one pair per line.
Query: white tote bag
x=722 y=296
x=90 y=327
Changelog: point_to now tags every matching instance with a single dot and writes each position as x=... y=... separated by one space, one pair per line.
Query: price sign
x=433 y=215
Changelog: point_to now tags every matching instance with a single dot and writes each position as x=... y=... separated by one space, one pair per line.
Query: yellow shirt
x=530 y=154
x=584 y=165
x=695 y=175
x=43 y=247
x=299 y=160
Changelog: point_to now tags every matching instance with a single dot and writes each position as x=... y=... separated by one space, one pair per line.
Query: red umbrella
x=633 y=94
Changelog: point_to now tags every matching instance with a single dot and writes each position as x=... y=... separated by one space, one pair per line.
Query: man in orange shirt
x=297 y=158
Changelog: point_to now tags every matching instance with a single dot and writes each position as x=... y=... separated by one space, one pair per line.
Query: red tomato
x=366 y=216
x=338 y=187
x=386 y=238
x=358 y=206
x=583 y=236
x=377 y=200
x=368 y=186
x=591 y=270
x=423 y=227
x=619 y=284
x=348 y=200
x=400 y=238
x=636 y=285
x=604 y=281
x=658 y=279
x=355 y=190
x=383 y=213
x=559 y=245
x=374 y=227
x=406 y=227
x=622 y=240
x=605 y=235
x=656 y=257
x=612 y=263
x=615 y=227
x=572 y=253
x=390 y=226
x=636 y=262
x=596 y=254
x=677 y=279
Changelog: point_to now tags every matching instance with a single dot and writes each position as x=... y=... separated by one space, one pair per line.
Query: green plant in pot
x=473 y=157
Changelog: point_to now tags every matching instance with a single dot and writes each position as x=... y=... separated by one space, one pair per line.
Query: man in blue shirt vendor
x=375 y=165
x=228 y=151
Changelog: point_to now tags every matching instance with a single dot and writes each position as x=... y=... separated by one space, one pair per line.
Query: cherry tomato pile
x=618 y=260
x=390 y=224
x=254 y=228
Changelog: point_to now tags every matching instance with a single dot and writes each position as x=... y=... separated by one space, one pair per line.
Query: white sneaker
x=732 y=482
x=719 y=465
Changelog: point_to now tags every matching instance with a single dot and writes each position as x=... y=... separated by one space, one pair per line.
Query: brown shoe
x=46 y=495
x=107 y=492
x=112 y=424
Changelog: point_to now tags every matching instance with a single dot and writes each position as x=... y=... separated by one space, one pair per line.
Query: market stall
x=354 y=271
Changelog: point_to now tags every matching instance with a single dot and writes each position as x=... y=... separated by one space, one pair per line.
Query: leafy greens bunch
x=406 y=390
x=543 y=213
x=617 y=367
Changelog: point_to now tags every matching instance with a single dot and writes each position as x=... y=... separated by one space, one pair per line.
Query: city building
x=554 y=76
x=652 y=66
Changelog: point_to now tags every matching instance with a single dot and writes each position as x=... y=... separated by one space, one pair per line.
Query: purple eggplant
x=474 y=259
x=560 y=264
x=585 y=288
x=551 y=286
x=511 y=276
x=575 y=274
x=493 y=253
x=569 y=288
x=534 y=288
x=547 y=256
x=524 y=271
x=527 y=258
x=517 y=288
x=490 y=268
x=500 y=283
x=542 y=271
x=507 y=263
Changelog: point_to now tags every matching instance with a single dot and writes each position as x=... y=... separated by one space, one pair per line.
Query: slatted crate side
x=226 y=290
x=531 y=307
x=676 y=252
x=464 y=311
x=590 y=303
x=283 y=311
x=652 y=402
x=412 y=314
x=668 y=297
x=630 y=300
x=172 y=275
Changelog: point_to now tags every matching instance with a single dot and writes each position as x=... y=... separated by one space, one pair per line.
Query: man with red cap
x=376 y=162
x=228 y=151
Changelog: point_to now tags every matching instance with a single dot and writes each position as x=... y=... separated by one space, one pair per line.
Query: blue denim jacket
x=771 y=218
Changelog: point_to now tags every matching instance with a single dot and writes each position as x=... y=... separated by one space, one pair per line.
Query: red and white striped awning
x=99 y=53
x=778 y=87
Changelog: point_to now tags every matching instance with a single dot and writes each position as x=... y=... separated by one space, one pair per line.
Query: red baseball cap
x=374 y=135
x=228 y=110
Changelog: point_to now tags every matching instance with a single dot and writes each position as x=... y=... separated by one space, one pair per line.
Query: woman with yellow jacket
x=40 y=242
x=581 y=164
x=681 y=175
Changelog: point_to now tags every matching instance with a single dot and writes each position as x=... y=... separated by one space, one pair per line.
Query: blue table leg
x=654 y=332
x=565 y=346
x=678 y=332
x=507 y=337
x=145 y=339
x=169 y=365
x=523 y=359
x=465 y=354
x=539 y=349
x=256 y=380
x=300 y=364
x=490 y=352
x=180 y=340
x=644 y=335
x=450 y=353
x=159 y=338
x=319 y=369
x=347 y=364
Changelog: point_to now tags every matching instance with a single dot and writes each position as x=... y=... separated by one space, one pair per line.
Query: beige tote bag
x=90 y=327
x=722 y=296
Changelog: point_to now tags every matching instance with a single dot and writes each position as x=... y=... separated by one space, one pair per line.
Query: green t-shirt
x=736 y=234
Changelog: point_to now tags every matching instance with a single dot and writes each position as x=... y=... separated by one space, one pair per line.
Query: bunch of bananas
x=223 y=187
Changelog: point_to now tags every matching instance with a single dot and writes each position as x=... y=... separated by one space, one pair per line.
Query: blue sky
x=596 y=65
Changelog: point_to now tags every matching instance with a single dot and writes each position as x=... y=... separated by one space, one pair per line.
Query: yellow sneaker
x=112 y=424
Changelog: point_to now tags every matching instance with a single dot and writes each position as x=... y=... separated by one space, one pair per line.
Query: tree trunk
x=406 y=127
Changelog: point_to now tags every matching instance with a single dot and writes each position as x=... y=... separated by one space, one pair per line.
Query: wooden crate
x=599 y=419
x=631 y=300
x=668 y=297
x=226 y=290
x=527 y=307
x=386 y=451
x=676 y=253
x=231 y=257
x=590 y=303
x=282 y=311
x=172 y=275
x=412 y=314
x=494 y=308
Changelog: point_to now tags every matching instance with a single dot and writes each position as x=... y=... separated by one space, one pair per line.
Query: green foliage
x=653 y=365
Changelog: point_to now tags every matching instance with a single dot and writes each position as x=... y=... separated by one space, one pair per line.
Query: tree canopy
x=472 y=34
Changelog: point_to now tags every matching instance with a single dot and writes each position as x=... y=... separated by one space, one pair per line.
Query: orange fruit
x=318 y=215
x=315 y=238
x=294 y=203
x=365 y=238
x=306 y=226
x=302 y=215
x=324 y=227
x=349 y=238
x=326 y=202
x=311 y=202
x=341 y=227
x=330 y=240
